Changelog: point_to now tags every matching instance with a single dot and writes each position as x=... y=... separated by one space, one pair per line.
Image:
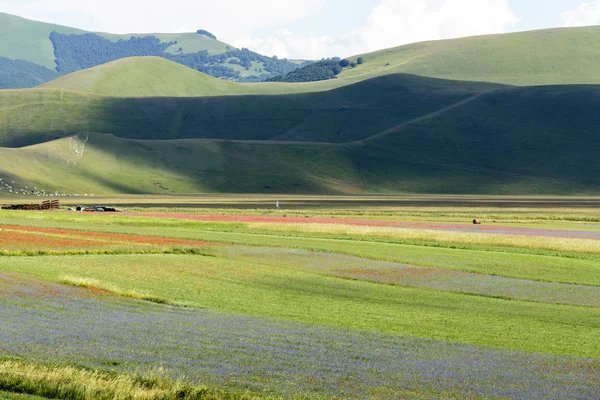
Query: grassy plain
x=495 y=294
x=55 y=381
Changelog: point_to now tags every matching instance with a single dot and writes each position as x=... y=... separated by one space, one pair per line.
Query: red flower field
x=33 y=238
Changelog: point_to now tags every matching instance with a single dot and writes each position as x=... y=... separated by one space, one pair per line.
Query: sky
x=312 y=29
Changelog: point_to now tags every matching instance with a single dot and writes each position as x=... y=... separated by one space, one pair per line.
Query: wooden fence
x=46 y=205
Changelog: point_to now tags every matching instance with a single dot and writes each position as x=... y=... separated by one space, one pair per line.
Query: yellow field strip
x=522 y=241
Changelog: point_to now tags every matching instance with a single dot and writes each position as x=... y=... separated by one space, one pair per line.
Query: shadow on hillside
x=341 y=115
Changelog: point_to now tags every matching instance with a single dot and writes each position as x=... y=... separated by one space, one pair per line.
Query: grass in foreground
x=66 y=382
x=270 y=356
x=18 y=396
x=94 y=284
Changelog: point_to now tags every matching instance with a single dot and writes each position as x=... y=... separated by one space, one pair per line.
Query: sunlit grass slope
x=158 y=77
x=144 y=77
x=543 y=57
x=23 y=39
x=106 y=165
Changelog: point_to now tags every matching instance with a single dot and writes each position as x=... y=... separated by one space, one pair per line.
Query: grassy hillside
x=539 y=140
x=24 y=39
x=342 y=115
x=49 y=51
x=392 y=134
x=543 y=57
x=155 y=76
x=548 y=132
x=144 y=77
x=103 y=164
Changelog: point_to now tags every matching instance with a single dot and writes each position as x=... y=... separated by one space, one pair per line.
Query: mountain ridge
x=516 y=59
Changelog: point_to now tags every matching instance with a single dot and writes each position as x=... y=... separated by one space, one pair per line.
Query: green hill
x=144 y=77
x=105 y=164
x=542 y=57
x=155 y=76
x=346 y=114
x=545 y=57
x=23 y=39
x=426 y=136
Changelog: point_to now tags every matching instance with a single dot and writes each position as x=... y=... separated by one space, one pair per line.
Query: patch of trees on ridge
x=206 y=33
x=19 y=74
x=319 y=71
x=75 y=52
x=215 y=64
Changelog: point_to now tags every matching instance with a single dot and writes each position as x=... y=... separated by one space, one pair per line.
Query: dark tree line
x=76 y=52
x=206 y=33
x=21 y=74
x=319 y=71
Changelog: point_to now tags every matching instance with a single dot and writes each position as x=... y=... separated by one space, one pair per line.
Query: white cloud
x=285 y=44
x=239 y=22
x=393 y=23
x=228 y=18
x=588 y=13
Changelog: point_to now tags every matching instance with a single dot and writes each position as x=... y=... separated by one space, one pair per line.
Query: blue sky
x=541 y=14
x=339 y=14
x=313 y=29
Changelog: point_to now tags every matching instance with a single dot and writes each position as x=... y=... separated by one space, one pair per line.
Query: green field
x=256 y=292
